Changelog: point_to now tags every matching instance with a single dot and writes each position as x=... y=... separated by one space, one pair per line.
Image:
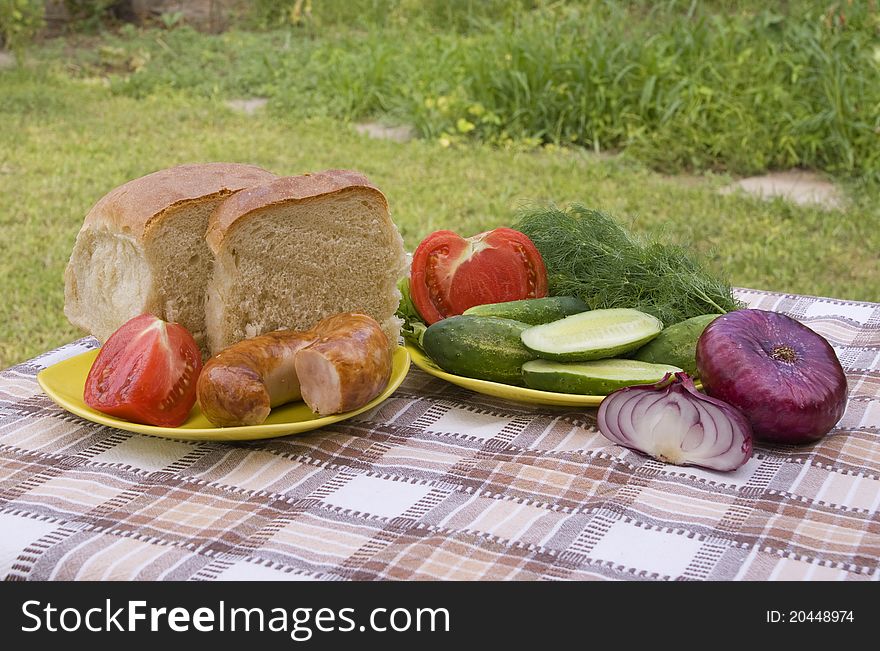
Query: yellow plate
x=506 y=391
x=64 y=382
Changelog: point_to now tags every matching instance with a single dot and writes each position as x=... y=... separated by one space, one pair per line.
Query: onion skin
x=674 y=423
x=783 y=376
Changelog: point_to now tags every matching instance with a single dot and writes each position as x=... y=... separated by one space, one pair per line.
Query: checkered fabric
x=440 y=483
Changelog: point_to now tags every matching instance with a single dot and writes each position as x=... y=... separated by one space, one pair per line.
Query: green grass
x=678 y=85
x=89 y=113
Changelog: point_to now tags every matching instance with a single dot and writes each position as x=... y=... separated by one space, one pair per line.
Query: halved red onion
x=674 y=423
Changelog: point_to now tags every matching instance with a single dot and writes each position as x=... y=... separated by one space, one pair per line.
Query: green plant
x=266 y=14
x=592 y=256
x=88 y=14
x=171 y=19
x=449 y=15
x=20 y=22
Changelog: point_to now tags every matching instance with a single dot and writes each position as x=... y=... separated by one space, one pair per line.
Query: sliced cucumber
x=597 y=378
x=533 y=311
x=592 y=335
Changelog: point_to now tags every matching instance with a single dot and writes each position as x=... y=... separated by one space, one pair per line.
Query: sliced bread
x=295 y=250
x=142 y=248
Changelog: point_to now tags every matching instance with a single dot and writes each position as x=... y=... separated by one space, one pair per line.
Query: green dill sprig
x=591 y=256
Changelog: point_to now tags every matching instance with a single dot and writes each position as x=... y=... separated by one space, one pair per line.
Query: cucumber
x=676 y=345
x=592 y=335
x=533 y=311
x=597 y=378
x=485 y=348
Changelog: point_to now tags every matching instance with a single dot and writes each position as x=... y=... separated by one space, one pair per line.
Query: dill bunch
x=589 y=255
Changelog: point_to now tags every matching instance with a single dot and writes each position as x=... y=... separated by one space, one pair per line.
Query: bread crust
x=283 y=190
x=133 y=207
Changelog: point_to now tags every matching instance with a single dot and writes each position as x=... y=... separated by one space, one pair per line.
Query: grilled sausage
x=241 y=384
x=339 y=365
x=346 y=367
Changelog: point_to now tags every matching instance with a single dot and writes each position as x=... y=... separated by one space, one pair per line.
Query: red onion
x=784 y=377
x=674 y=423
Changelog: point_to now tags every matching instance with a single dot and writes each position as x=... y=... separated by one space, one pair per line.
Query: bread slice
x=295 y=250
x=142 y=248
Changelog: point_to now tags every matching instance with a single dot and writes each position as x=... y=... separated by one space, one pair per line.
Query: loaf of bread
x=142 y=248
x=294 y=250
x=232 y=251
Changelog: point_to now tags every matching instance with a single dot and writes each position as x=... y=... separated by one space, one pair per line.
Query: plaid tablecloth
x=440 y=483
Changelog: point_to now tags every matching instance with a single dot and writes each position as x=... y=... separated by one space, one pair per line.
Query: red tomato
x=451 y=273
x=146 y=372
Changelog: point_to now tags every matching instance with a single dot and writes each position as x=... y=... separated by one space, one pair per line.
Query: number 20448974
x=802 y=616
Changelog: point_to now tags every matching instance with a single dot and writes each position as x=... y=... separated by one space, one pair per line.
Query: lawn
x=77 y=120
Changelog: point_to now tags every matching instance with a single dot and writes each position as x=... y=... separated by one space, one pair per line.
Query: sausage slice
x=346 y=367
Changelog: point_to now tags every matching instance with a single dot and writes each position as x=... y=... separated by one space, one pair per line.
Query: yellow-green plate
x=64 y=382
x=498 y=390
x=506 y=391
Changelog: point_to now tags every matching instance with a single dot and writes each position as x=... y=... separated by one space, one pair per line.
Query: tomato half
x=450 y=273
x=146 y=372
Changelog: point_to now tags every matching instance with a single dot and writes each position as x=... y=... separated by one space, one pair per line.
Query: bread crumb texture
x=107 y=281
x=295 y=262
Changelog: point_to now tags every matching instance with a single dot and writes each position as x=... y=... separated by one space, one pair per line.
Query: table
x=440 y=483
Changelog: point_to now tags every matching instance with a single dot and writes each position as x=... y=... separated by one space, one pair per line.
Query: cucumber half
x=485 y=348
x=592 y=335
x=677 y=344
x=597 y=378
